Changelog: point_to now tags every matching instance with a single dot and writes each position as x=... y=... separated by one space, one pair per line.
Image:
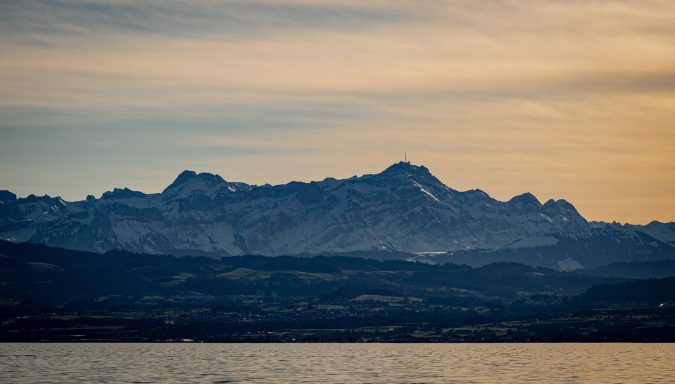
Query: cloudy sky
x=565 y=99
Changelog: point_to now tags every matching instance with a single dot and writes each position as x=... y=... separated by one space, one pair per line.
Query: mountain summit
x=402 y=209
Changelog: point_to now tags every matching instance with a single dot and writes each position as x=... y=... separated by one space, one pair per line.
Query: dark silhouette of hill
x=62 y=295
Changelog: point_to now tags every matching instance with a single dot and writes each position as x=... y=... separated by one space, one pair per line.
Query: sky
x=563 y=99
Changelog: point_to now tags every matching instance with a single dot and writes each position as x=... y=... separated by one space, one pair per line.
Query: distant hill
x=635 y=270
x=651 y=290
x=52 y=294
x=47 y=276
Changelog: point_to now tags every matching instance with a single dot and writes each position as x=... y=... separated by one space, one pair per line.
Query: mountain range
x=403 y=212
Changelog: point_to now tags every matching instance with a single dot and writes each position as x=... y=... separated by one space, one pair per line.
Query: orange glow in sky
x=571 y=99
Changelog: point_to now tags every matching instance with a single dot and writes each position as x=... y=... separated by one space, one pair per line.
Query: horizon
x=569 y=100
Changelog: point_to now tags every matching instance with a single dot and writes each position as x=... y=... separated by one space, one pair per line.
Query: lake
x=337 y=363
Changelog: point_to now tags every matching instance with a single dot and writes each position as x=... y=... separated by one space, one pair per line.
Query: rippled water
x=337 y=363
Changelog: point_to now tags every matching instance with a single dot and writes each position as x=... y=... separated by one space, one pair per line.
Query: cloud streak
x=60 y=21
x=565 y=99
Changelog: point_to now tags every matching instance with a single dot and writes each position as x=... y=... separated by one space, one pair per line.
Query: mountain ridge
x=404 y=208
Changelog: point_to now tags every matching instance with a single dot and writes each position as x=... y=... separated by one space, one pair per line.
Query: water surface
x=337 y=363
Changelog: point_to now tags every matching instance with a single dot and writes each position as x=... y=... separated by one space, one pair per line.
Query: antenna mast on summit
x=405 y=157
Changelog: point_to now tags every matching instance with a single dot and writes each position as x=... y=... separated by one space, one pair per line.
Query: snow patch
x=531 y=242
x=425 y=191
x=569 y=264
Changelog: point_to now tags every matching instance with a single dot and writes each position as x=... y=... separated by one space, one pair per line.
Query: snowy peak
x=562 y=210
x=406 y=170
x=405 y=167
x=122 y=193
x=661 y=231
x=191 y=177
x=190 y=183
x=45 y=199
x=403 y=208
x=182 y=178
x=562 y=206
x=526 y=199
x=7 y=197
x=417 y=176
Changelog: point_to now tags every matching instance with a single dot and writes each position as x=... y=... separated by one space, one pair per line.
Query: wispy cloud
x=566 y=99
x=56 y=21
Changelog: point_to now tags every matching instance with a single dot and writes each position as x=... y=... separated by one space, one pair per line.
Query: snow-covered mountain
x=404 y=208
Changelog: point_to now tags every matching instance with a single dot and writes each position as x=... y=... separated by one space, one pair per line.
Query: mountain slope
x=567 y=251
x=404 y=208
